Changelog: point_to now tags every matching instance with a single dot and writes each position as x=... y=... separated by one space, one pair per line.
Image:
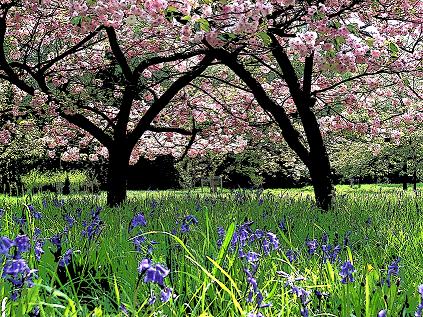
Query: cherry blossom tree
x=304 y=61
x=100 y=71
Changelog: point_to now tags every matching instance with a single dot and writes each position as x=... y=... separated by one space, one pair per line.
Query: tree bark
x=321 y=180
x=415 y=180
x=405 y=176
x=117 y=175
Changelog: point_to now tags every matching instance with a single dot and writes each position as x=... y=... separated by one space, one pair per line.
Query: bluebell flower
x=303 y=295
x=291 y=255
x=35 y=312
x=184 y=227
x=273 y=240
x=58 y=203
x=335 y=253
x=45 y=203
x=144 y=265
x=251 y=280
x=347 y=238
x=36 y=214
x=66 y=258
x=138 y=241
x=347 y=270
x=156 y=274
x=5 y=245
x=382 y=313
x=187 y=222
x=191 y=219
x=38 y=249
x=419 y=310
x=138 y=220
x=19 y=221
x=22 y=244
x=393 y=270
x=70 y=221
x=1 y=212
x=37 y=231
x=221 y=235
x=153 y=273
x=312 y=246
x=282 y=225
x=254 y=314
x=266 y=246
x=165 y=294
x=252 y=256
x=78 y=212
x=325 y=238
x=15 y=267
x=150 y=247
x=124 y=310
x=57 y=240
x=94 y=227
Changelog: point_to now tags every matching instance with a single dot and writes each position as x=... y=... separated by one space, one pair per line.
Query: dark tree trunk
x=321 y=180
x=405 y=177
x=415 y=180
x=117 y=175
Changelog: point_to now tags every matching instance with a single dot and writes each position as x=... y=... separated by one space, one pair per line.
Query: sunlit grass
x=209 y=280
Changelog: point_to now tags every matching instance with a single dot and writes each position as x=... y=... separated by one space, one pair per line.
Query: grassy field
x=241 y=253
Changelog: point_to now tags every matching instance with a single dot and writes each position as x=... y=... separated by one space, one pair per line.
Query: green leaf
x=227 y=37
x=76 y=21
x=339 y=40
x=353 y=28
x=393 y=48
x=202 y=24
x=265 y=38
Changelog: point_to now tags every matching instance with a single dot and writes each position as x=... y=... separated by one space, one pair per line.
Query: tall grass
x=209 y=280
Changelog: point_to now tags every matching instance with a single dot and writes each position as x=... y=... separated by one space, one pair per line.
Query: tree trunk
x=415 y=180
x=117 y=175
x=405 y=177
x=321 y=179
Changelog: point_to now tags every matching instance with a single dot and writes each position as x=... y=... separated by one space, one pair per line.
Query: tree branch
x=165 y=98
x=117 y=52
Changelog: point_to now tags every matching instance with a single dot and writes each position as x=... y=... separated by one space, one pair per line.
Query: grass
x=210 y=280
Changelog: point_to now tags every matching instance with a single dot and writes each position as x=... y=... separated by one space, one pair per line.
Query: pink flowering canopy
x=74 y=58
x=367 y=67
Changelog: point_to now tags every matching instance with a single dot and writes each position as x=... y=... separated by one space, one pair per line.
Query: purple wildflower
x=5 y=245
x=70 y=220
x=138 y=220
x=291 y=255
x=221 y=235
x=393 y=270
x=419 y=310
x=36 y=214
x=22 y=243
x=38 y=249
x=347 y=270
x=154 y=273
x=124 y=310
x=57 y=240
x=382 y=313
x=312 y=246
x=66 y=258
x=165 y=294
